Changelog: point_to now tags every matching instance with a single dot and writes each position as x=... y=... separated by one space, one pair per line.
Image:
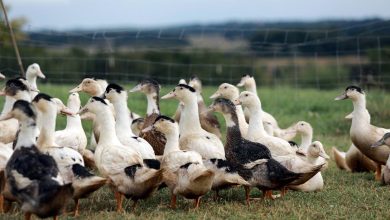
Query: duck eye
x=225 y=87
x=181 y=88
x=246 y=95
x=302 y=124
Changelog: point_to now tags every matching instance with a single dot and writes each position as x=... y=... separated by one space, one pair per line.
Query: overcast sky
x=71 y=14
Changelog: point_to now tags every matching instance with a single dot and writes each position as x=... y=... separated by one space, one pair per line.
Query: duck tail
x=85 y=182
x=149 y=177
x=339 y=158
x=197 y=175
x=280 y=174
x=307 y=175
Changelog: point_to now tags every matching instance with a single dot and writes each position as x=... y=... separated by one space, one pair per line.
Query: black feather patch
x=229 y=166
x=185 y=166
x=99 y=99
x=138 y=120
x=13 y=85
x=80 y=171
x=293 y=143
x=42 y=96
x=160 y=117
x=245 y=75
x=360 y=90
x=152 y=163
x=187 y=87
x=131 y=170
x=115 y=87
x=24 y=107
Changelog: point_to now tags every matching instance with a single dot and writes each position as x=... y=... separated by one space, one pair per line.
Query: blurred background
x=301 y=44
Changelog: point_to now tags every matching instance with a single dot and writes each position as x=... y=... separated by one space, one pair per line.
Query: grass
x=346 y=195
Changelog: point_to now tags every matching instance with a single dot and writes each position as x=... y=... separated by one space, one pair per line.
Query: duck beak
x=215 y=95
x=2 y=92
x=350 y=116
x=76 y=89
x=41 y=75
x=137 y=88
x=82 y=110
x=378 y=143
x=169 y=95
x=147 y=129
x=240 y=84
x=341 y=97
x=67 y=112
x=7 y=116
x=324 y=155
x=2 y=76
x=237 y=102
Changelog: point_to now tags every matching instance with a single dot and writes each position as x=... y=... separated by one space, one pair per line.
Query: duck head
x=147 y=86
x=182 y=81
x=137 y=125
x=22 y=111
x=94 y=105
x=182 y=93
x=247 y=99
x=74 y=102
x=303 y=127
x=163 y=124
x=196 y=84
x=351 y=92
x=385 y=140
x=115 y=93
x=224 y=106
x=33 y=71
x=17 y=88
x=316 y=149
x=227 y=91
x=45 y=103
x=89 y=86
x=246 y=80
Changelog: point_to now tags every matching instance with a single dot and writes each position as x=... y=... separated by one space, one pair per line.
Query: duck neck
x=306 y=140
x=73 y=122
x=98 y=91
x=233 y=134
x=153 y=103
x=251 y=86
x=189 y=119
x=105 y=120
x=27 y=134
x=23 y=95
x=122 y=125
x=240 y=115
x=32 y=80
x=48 y=123
x=360 y=113
x=172 y=143
x=256 y=127
x=9 y=103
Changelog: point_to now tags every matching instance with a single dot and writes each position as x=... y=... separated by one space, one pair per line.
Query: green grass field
x=345 y=196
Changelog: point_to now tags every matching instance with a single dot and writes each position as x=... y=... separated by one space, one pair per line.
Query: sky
x=89 y=14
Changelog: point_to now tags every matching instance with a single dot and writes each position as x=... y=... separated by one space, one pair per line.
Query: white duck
x=362 y=133
x=249 y=83
x=33 y=178
x=280 y=149
x=15 y=89
x=177 y=114
x=69 y=161
x=192 y=136
x=184 y=171
x=230 y=92
x=122 y=165
x=306 y=131
x=33 y=71
x=316 y=156
x=118 y=97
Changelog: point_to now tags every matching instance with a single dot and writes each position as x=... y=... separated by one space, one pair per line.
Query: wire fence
x=302 y=58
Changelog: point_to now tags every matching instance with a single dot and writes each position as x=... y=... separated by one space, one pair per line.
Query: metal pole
x=11 y=31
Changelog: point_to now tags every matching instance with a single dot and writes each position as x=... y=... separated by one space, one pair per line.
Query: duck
x=280 y=149
x=118 y=97
x=353 y=160
x=363 y=133
x=192 y=135
x=229 y=91
x=123 y=166
x=255 y=156
x=177 y=114
x=73 y=135
x=385 y=140
x=248 y=81
x=317 y=156
x=184 y=171
x=305 y=130
x=32 y=176
x=32 y=73
x=137 y=125
x=208 y=120
x=151 y=89
x=15 y=89
x=69 y=161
